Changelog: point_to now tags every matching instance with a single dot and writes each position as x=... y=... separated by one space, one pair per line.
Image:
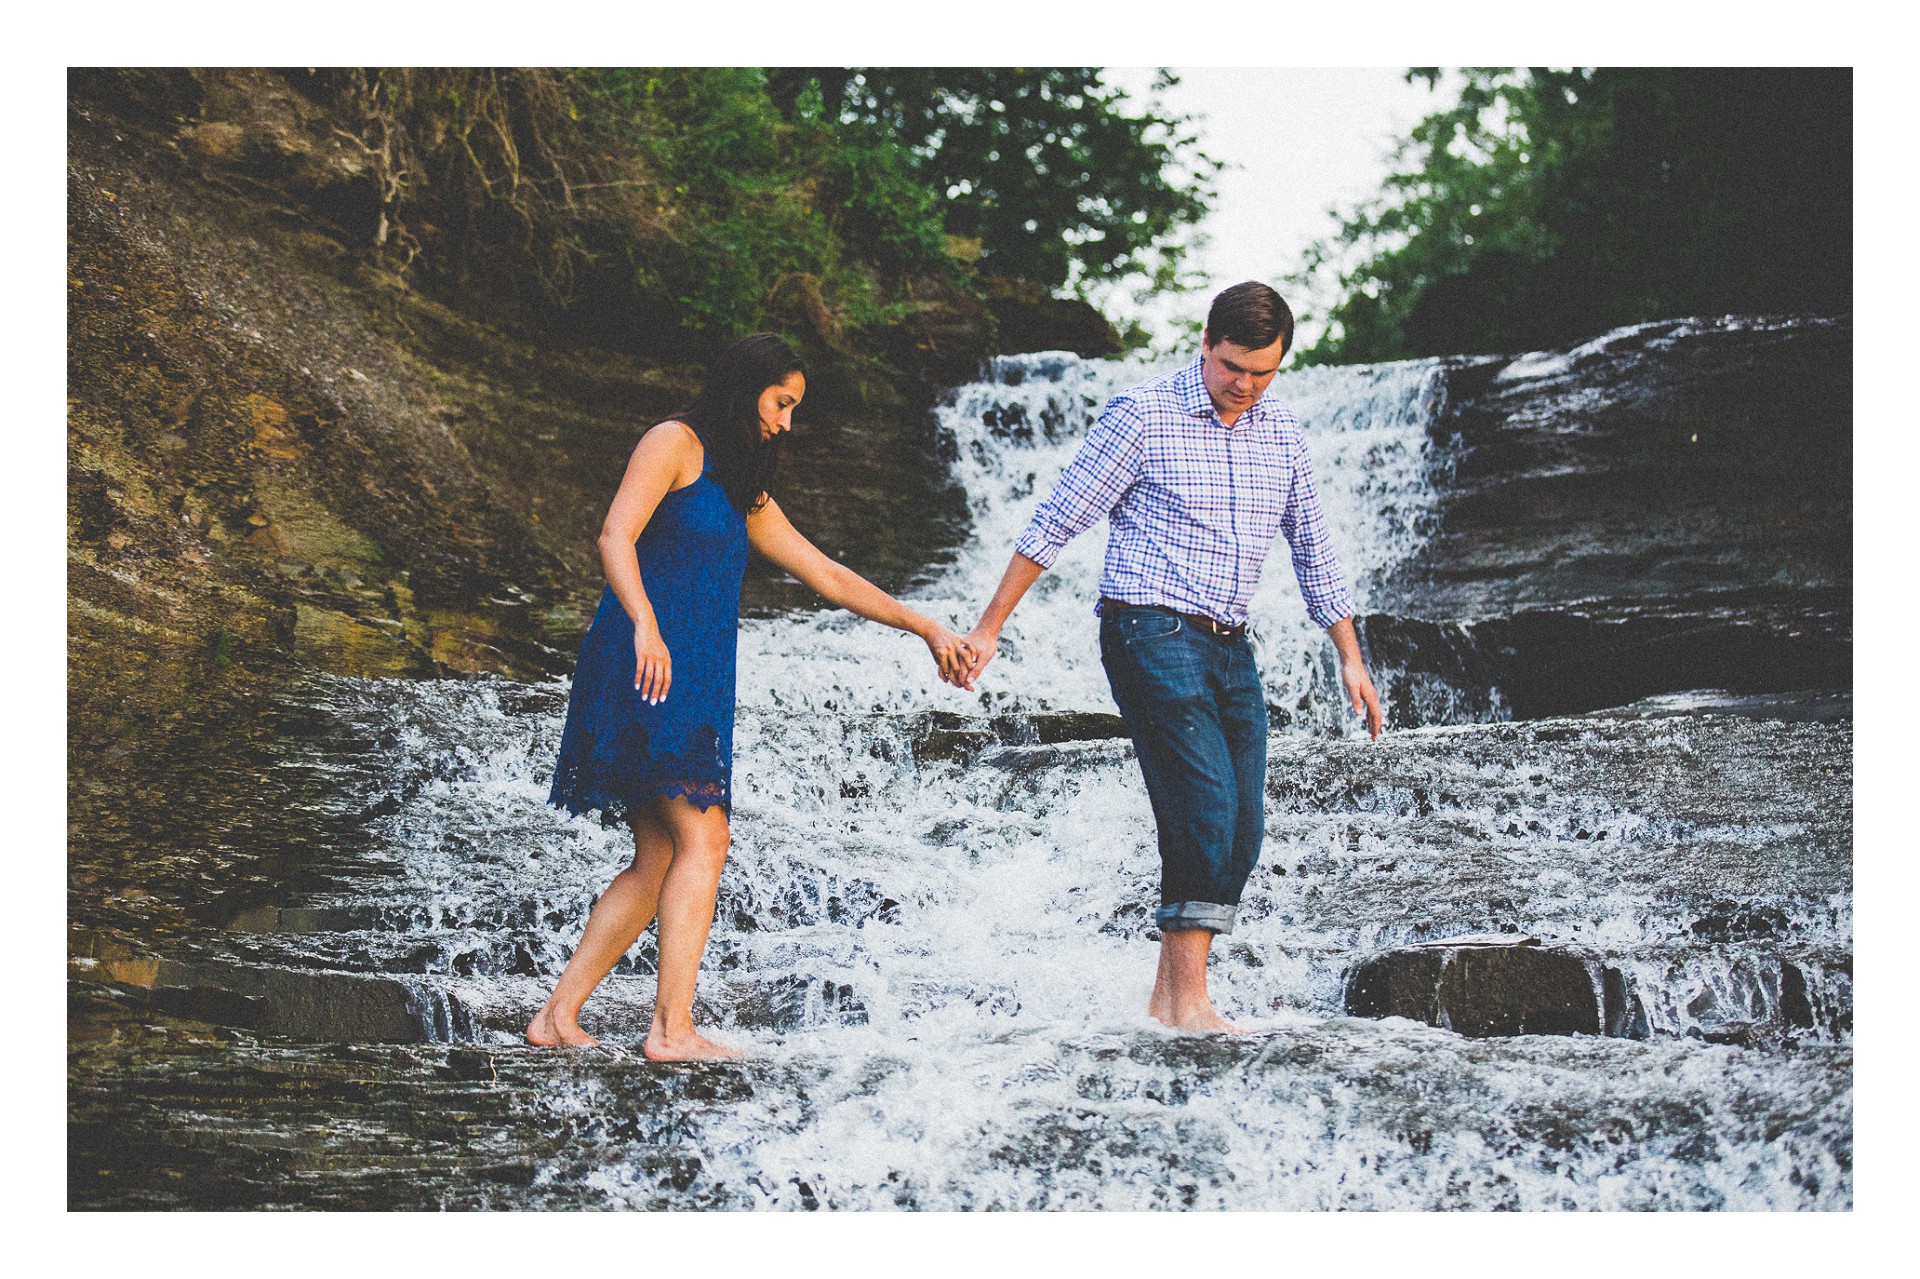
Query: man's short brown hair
x=1251 y=315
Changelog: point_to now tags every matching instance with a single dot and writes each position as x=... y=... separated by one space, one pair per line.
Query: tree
x=1545 y=206
x=1051 y=170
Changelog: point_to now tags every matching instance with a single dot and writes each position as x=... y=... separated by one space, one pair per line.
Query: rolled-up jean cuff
x=1177 y=917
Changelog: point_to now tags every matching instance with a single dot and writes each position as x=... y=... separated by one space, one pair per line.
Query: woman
x=649 y=734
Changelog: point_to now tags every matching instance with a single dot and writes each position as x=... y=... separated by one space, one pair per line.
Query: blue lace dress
x=619 y=753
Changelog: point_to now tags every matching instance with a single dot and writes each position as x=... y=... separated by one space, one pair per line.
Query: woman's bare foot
x=691 y=1046
x=548 y=1031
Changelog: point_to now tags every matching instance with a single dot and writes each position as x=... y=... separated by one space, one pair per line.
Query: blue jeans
x=1196 y=711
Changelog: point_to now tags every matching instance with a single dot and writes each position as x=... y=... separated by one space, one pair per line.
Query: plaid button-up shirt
x=1195 y=504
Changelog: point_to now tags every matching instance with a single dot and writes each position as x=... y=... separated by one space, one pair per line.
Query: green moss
x=301 y=528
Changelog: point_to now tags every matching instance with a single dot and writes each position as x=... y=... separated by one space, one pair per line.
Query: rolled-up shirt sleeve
x=1323 y=586
x=1105 y=467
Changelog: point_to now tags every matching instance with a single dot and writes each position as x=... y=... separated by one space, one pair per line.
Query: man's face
x=1236 y=376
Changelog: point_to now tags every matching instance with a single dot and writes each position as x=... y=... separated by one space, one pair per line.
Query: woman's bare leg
x=616 y=922
x=687 y=897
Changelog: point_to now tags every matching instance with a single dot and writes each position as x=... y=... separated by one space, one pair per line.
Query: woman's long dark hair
x=726 y=416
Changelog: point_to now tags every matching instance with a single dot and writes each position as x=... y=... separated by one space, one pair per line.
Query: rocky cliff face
x=1666 y=507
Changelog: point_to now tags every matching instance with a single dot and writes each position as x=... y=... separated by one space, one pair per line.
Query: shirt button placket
x=1233 y=519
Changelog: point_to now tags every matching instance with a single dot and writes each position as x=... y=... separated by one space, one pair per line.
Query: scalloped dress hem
x=614 y=811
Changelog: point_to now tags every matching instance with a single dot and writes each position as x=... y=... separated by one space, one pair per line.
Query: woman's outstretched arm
x=667 y=457
x=774 y=536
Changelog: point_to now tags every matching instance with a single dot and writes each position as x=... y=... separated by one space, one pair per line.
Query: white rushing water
x=943 y=962
x=1014 y=433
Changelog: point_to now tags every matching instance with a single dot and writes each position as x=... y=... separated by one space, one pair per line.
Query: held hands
x=984 y=644
x=953 y=655
x=652 y=664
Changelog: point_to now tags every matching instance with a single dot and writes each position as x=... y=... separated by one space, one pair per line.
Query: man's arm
x=985 y=639
x=1323 y=588
x=1106 y=465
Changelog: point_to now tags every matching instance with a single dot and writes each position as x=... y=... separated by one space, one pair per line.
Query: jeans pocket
x=1140 y=626
x=1165 y=668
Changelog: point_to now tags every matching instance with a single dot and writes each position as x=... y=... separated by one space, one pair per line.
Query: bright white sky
x=1300 y=141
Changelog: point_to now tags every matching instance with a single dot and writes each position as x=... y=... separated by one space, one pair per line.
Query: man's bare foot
x=548 y=1031
x=1160 y=1003
x=1200 y=1018
x=691 y=1046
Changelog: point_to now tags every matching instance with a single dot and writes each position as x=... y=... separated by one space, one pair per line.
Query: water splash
x=944 y=962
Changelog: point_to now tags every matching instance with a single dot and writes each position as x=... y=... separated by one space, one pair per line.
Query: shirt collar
x=1193 y=391
x=1195 y=401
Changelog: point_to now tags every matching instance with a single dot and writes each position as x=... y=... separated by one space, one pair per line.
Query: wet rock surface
x=1028 y=318
x=1593 y=654
x=452 y=1127
x=347 y=1008
x=1480 y=991
x=1667 y=507
x=1651 y=463
x=944 y=735
x=960 y=952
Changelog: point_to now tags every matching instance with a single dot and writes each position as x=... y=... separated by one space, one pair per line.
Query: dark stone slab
x=1796 y=1010
x=1654 y=462
x=1076 y=726
x=1480 y=991
x=1028 y=318
x=1752 y=641
x=317 y=1006
x=1596 y=655
x=943 y=735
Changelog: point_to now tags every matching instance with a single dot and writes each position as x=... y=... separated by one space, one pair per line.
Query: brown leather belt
x=1200 y=620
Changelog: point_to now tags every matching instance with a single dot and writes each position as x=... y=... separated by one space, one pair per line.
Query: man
x=1198 y=473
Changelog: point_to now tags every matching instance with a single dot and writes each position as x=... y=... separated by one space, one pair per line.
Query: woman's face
x=776 y=404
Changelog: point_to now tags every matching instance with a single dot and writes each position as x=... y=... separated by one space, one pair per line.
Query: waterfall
x=1012 y=433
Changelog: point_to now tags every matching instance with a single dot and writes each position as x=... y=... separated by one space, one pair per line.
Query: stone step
x=322 y=1007
x=1486 y=985
x=1480 y=990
